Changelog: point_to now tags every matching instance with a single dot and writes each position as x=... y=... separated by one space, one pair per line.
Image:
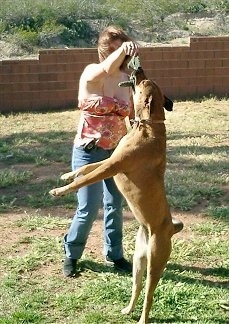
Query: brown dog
x=138 y=167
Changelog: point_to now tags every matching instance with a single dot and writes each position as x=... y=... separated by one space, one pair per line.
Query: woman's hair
x=106 y=37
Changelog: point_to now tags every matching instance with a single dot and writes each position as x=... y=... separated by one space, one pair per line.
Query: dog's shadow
x=180 y=276
x=211 y=272
x=100 y=267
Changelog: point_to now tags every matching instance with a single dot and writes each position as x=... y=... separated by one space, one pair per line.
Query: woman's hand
x=130 y=48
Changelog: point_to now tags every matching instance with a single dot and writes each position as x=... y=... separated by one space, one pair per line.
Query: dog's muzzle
x=137 y=74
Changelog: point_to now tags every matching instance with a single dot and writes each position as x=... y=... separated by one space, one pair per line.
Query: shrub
x=76 y=29
x=26 y=39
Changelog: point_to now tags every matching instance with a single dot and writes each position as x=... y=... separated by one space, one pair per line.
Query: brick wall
x=51 y=81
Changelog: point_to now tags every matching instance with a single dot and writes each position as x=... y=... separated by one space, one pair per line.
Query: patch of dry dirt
x=12 y=234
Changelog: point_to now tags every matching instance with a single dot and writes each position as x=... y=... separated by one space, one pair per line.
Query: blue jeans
x=90 y=199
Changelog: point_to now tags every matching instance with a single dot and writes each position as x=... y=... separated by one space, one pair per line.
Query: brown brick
x=181 y=82
x=185 y=55
x=68 y=76
x=47 y=77
x=49 y=58
x=22 y=66
x=217 y=45
x=39 y=68
x=221 y=90
x=221 y=54
x=199 y=46
x=208 y=39
x=21 y=78
x=188 y=91
x=164 y=82
x=150 y=49
x=5 y=78
x=58 y=67
x=179 y=70
x=196 y=63
x=206 y=72
x=156 y=73
x=171 y=55
x=214 y=63
x=23 y=86
x=75 y=67
x=222 y=71
x=225 y=62
x=152 y=55
x=201 y=54
x=71 y=85
x=6 y=69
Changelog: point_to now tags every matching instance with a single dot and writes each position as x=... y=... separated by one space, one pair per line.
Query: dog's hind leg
x=158 y=252
x=139 y=266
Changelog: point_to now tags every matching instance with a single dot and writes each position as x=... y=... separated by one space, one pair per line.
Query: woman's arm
x=115 y=59
x=93 y=72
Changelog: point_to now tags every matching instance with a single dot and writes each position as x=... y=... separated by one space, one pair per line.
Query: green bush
x=50 y=34
x=75 y=30
x=26 y=39
x=48 y=23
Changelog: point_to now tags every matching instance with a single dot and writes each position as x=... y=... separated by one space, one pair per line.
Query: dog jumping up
x=138 y=166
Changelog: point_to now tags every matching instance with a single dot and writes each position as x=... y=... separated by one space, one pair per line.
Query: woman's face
x=115 y=45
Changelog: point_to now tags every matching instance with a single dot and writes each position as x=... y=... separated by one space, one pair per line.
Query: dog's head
x=147 y=96
x=148 y=101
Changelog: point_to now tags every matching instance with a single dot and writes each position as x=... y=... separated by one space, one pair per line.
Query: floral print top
x=102 y=119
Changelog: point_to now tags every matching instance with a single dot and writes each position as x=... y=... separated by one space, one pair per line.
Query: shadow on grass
x=28 y=147
x=169 y=273
x=48 y=154
x=173 y=320
x=212 y=272
x=89 y=265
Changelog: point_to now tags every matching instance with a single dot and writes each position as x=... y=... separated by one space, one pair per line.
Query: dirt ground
x=14 y=239
x=11 y=234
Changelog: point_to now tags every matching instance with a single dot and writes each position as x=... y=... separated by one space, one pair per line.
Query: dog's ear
x=168 y=104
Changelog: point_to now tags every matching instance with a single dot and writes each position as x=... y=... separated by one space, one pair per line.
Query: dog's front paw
x=56 y=192
x=68 y=176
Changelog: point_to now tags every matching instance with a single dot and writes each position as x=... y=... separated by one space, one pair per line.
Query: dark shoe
x=178 y=225
x=120 y=264
x=69 y=269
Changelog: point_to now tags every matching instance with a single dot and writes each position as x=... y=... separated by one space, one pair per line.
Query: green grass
x=197 y=154
x=12 y=177
x=28 y=149
x=35 y=149
x=197 y=169
x=44 y=24
x=189 y=292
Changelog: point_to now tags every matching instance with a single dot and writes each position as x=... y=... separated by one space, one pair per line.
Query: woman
x=104 y=107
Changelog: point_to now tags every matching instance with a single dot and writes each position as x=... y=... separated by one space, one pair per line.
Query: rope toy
x=134 y=65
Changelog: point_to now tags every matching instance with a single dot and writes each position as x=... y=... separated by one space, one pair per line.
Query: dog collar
x=145 y=121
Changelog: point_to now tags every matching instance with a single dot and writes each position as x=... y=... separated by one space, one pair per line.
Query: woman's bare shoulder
x=93 y=71
x=93 y=67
